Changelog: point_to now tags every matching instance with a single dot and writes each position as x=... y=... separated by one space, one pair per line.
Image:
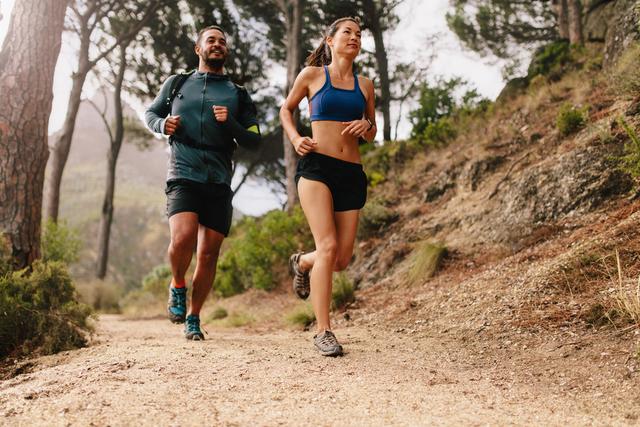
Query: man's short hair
x=210 y=27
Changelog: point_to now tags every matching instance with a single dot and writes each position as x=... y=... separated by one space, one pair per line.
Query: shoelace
x=179 y=298
x=329 y=339
x=193 y=325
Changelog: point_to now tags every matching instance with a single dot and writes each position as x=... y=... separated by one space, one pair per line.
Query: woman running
x=331 y=183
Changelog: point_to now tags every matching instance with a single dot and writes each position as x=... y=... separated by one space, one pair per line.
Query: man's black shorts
x=346 y=180
x=212 y=202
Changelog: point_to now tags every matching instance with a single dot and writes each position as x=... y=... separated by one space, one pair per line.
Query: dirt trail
x=145 y=373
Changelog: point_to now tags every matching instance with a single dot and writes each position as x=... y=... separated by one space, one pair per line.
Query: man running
x=205 y=116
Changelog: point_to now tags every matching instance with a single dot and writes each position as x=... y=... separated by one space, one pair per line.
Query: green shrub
x=59 y=243
x=550 y=60
x=630 y=162
x=218 y=313
x=39 y=311
x=301 y=316
x=259 y=251
x=571 y=119
x=438 y=104
x=157 y=280
x=342 y=292
x=374 y=217
x=425 y=261
x=440 y=132
x=5 y=255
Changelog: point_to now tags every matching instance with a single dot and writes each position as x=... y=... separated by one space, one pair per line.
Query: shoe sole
x=174 y=318
x=194 y=338
x=334 y=353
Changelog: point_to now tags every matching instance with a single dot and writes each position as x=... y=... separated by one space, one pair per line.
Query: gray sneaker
x=327 y=344
x=301 y=282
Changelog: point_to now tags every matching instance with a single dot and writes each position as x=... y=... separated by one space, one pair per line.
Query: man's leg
x=209 y=242
x=184 y=228
x=184 y=232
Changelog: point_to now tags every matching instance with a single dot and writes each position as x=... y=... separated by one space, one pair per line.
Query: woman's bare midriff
x=331 y=143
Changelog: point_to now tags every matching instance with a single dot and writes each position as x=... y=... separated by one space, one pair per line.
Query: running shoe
x=327 y=344
x=177 y=304
x=301 y=282
x=192 y=328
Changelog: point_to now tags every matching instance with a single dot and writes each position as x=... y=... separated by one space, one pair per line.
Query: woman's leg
x=346 y=228
x=317 y=204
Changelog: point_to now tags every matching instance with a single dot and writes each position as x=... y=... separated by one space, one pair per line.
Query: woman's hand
x=304 y=145
x=356 y=128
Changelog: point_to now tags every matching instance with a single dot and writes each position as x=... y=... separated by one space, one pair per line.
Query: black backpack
x=176 y=84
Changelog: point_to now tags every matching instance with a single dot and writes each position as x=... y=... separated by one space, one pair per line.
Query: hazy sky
x=408 y=42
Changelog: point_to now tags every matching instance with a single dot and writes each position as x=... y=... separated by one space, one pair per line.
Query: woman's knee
x=327 y=249
x=341 y=263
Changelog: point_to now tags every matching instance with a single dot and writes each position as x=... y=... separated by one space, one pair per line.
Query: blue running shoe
x=177 y=305
x=192 y=328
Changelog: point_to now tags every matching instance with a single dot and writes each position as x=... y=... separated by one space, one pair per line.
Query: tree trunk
x=575 y=22
x=373 y=19
x=60 y=148
x=27 y=64
x=86 y=26
x=112 y=160
x=293 y=22
x=562 y=12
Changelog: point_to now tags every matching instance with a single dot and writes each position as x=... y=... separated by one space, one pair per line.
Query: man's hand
x=356 y=128
x=304 y=145
x=220 y=112
x=171 y=125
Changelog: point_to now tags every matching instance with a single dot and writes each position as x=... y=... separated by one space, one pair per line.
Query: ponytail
x=321 y=56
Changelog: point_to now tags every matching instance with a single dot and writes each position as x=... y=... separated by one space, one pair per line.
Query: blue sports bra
x=332 y=103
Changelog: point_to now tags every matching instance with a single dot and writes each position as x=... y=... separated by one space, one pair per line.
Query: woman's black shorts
x=346 y=180
x=212 y=202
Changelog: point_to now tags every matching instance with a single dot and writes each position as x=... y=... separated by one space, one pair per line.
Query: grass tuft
x=426 y=259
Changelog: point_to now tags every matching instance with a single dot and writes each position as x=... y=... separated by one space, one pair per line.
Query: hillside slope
x=531 y=220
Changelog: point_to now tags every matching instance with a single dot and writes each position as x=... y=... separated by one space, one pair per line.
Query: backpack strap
x=176 y=84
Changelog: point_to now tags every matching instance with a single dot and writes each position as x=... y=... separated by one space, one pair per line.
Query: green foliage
x=571 y=119
x=38 y=311
x=5 y=255
x=630 y=162
x=439 y=106
x=425 y=260
x=549 y=60
x=342 y=292
x=219 y=313
x=157 y=281
x=374 y=216
x=60 y=243
x=501 y=27
x=301 y=316
x=259 y=250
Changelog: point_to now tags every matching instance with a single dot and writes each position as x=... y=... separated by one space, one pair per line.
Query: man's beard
x=213 y=62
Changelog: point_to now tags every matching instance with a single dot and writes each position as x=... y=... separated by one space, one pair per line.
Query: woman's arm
x=365 y=127
x=370 y=112
x=302 y=144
